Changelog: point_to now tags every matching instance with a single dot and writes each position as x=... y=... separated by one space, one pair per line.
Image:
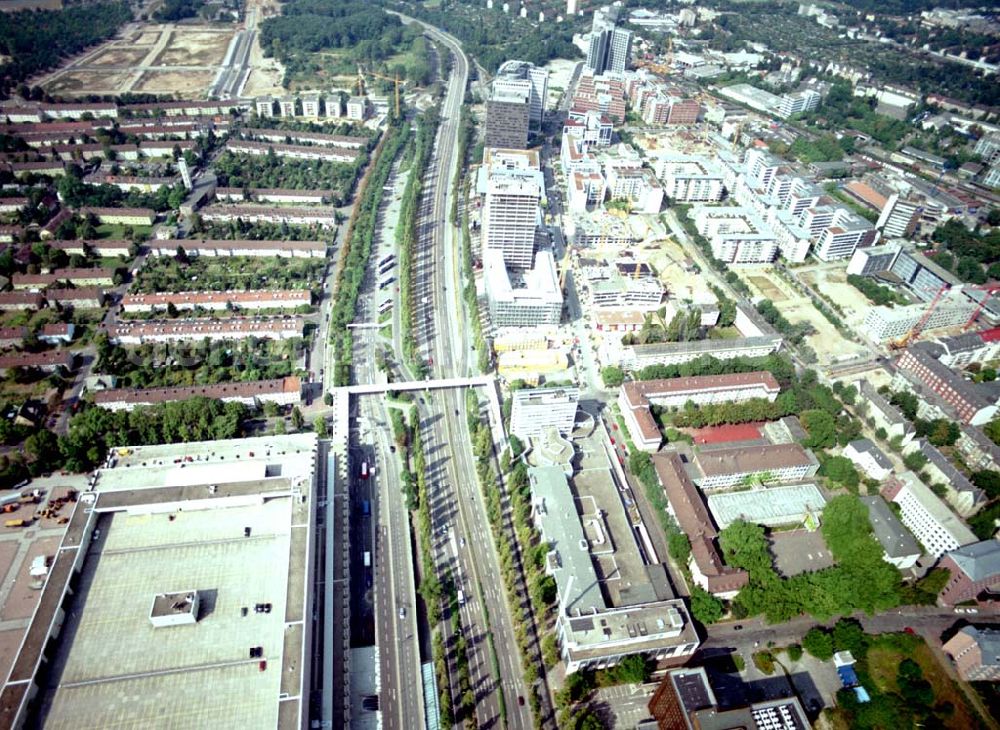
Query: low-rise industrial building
x=145 y=589
x=591 y=633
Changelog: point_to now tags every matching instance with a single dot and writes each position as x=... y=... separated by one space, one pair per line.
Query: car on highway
x=738 y=627
x=402 y=612
x=520 y=700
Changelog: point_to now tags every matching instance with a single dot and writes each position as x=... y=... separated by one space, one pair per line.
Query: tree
x=320 y=427
x=819 y=643
x=915 y=461
x=298 y=421
x=705 y=607
x=992 y=430
x=613 y=376
x=633 y=669
x=821 y=427
x=849 y=636
x=988 y=480
x=840 y=469
x=516 y=446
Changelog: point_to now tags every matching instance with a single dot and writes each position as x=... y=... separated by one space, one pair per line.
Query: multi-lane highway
x=396 y=630
x=442 y=333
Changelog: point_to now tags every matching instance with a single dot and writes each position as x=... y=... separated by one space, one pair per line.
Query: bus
x=364 y=469
x=385 y=306
x=387 y=259
x=383 y=270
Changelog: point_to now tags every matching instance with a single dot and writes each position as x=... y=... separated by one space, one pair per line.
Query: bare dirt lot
x=159 y=59
x=194 y=49
x=120 y=56
x=828 y=343
x=88 y=82
x=183 y=84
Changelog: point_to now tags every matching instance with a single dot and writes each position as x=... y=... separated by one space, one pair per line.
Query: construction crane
x=900 y=343
x=394 y=79
x=988 y=291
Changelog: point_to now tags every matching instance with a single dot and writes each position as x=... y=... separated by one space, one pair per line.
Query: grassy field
x=115 y=231
x=879 y=671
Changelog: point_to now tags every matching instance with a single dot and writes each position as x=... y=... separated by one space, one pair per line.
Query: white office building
x=899 y=218
x=525 y=298
x=511 y=215
x=533 y=412
x=937 y=528
x=873 y=259
x=882 y=324
x=798 y=102
x=521 y=76
x=689 y=178
x=737 y=235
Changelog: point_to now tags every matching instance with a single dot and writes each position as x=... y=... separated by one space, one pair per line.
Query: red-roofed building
x=636 y=397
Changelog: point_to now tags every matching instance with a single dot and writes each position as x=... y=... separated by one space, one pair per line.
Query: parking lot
x=800 y=551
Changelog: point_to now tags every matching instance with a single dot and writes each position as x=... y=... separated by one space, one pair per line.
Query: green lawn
x=115 y=231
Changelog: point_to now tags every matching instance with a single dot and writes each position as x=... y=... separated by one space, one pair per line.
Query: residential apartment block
x=283 y=391
x=970 y=401
x=689 y=178
x=976 y=653
x=975 y=570
x=139 y=332
x=737 y=235
x=264 y=299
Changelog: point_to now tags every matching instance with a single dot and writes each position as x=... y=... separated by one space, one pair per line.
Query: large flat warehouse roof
x=233 y=555
x=115 y=669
